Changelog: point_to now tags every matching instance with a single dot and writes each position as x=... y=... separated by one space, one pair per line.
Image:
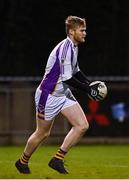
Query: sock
x=24 y=159
x=60 y=154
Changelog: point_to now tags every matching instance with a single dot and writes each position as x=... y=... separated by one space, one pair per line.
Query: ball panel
x=101 y=87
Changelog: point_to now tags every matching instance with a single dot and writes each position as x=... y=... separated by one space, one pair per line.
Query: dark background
x=31 y=28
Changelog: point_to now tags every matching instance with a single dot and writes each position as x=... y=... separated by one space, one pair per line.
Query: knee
x=87 y=126
x=46 y=135
x=83 y=127
x=43 y=135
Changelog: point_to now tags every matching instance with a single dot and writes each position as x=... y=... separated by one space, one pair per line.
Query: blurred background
x=29 y=31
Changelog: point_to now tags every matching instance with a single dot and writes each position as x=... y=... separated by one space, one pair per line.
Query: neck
x=73 y=40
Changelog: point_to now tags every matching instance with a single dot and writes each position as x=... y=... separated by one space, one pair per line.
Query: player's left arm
x=81 y=77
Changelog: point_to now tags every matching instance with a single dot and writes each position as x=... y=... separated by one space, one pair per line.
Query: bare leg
x=77 y=119
x=42 y=132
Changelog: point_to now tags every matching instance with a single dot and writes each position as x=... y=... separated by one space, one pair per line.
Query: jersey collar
x=73 y=45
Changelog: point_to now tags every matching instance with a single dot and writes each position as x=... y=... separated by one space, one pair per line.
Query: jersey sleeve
x=76 y=69
x=66 y=70
x=65 y=63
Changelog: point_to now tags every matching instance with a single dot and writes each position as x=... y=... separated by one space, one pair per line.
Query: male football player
x=53 y=96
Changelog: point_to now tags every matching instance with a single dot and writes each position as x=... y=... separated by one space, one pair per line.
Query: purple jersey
x=62 y=65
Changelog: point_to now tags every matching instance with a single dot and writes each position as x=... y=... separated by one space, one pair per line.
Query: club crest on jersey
x=62 y=61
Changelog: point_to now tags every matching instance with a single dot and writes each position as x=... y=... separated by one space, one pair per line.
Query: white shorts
x=48 y=105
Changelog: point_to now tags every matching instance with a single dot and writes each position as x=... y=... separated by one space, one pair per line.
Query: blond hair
x=72 y=22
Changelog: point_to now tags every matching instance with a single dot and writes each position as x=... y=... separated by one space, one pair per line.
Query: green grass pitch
x=83 y=162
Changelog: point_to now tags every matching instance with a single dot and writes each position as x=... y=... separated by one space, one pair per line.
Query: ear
x=71 y=31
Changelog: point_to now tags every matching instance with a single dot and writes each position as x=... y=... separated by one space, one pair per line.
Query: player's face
x=79 y=34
